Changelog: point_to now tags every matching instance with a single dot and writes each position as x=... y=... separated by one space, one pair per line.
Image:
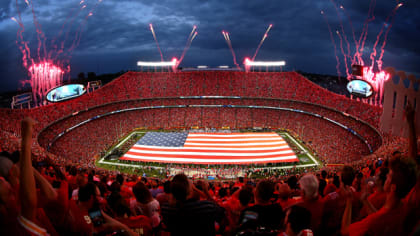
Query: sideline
x=101 y=161
x=309 y=154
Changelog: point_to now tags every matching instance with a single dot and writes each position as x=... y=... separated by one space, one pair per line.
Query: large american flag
x=211 y=148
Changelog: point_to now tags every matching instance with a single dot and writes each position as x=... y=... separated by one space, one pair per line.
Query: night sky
x=117 y=34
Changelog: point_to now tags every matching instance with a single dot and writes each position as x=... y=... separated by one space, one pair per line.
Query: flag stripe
x=218 y=140
x=209 y=161
x=232 y=134
x=212 y=148
x=236 y=145
x=243 y=147
x=232 y=137
x=209 y=154
x=176 y=156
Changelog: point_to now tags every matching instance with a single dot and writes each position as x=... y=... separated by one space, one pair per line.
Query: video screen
x=66 y=92
x=360 y=88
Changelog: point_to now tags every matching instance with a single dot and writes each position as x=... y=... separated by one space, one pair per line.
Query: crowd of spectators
x=173 y=118
x=134 y=85
x=125 y=91
x=332 y=143
x=329 y=141
x=379 y=196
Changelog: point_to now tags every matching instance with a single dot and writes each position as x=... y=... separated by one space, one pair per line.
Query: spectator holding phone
x=263 y=214
x=86 y=217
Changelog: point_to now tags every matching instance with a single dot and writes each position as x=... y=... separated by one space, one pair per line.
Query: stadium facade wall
x=399 y=90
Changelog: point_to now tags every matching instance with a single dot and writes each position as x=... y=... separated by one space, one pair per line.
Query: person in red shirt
x=376 y=200
x=297 y=222
x=121 y=211
x=163 y=198
x=322 y=182
x=329 y=189
x=264 y=214
x=311 y=200
x=389 y=220
x=335 y=203
x=79 y=221
x=284 y=195
x=189 y=216
x=144 y=203
x=125 y=190
x=71 y=177
x=240 y=182
x=332 y=185
x=81 y=180
x=236 y=204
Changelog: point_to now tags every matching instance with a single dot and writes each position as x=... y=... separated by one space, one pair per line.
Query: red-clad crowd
x=235 y=118
x=377 y=196
x=326 y=139
x=138 y=85
x=125 y=92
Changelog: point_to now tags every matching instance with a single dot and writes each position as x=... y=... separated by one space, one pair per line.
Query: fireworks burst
x=377 y=78
x=191 y=37
x=46 y=69
x=229 y=43
x=335 y=46
x=157 y=43
x=262 y=41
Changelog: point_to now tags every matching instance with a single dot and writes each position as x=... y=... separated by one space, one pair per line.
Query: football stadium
x=244 y=145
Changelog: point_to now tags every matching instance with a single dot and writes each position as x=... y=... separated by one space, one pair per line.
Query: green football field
x=306 y=158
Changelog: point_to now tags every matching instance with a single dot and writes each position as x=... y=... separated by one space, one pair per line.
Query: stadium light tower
x=173 y=64
x=249 y=63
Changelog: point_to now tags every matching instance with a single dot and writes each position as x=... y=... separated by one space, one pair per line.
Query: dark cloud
x=117 y=34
